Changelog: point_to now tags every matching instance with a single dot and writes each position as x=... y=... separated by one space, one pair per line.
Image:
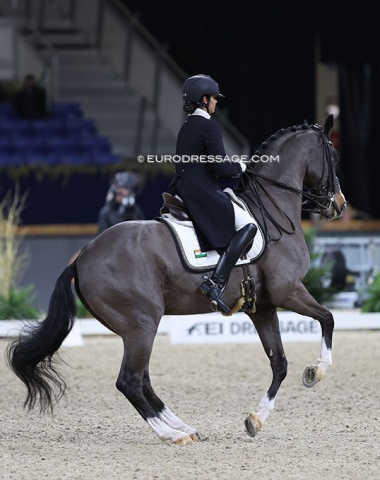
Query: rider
x=220 y=224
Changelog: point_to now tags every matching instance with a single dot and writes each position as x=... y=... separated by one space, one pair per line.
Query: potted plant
x=317 y=279
x=15 y=302
x=372 y=296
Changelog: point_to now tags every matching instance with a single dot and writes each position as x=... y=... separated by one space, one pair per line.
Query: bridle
x=317 y=199
x=320 y=198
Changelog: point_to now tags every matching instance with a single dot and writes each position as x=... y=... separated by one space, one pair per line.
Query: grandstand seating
x=65 y=138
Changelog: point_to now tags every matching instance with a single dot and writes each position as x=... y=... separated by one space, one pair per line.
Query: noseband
x=320 y=197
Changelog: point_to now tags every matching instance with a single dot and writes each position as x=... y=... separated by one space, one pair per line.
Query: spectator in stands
x=30 y=101
x=120 y=205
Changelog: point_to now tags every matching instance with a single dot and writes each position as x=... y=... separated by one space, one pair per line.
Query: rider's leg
x=214 y=286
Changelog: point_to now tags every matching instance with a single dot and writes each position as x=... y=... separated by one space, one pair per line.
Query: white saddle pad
x=187 y=242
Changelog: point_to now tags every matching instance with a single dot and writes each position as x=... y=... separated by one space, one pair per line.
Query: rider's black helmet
x=196 y=87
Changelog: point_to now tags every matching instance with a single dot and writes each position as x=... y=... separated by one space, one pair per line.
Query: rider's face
x=211 y=103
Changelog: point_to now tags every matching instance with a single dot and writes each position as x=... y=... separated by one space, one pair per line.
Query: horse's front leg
x=300 y=301
x=267 y=326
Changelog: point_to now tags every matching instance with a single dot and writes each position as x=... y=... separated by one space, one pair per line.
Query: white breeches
x=242 y=218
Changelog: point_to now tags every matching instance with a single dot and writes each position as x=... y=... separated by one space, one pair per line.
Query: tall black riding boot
x=214 y=287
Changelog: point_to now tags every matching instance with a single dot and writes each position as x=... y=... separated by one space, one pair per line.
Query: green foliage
x=316 y=279
x=18 y=304
x=12 y=259
x=372 y=302
x=81 y=310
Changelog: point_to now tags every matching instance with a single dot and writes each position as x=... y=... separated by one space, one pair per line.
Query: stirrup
x=215 y=291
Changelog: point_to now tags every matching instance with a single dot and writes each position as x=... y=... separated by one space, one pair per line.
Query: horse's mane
x=251 y=190
x=280 y=133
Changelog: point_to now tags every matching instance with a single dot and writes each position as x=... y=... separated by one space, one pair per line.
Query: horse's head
x=322 y=189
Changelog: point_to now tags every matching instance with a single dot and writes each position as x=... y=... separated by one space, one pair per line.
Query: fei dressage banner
x=215 y=328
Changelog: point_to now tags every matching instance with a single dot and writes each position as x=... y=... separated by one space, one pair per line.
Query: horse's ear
x=329 y=123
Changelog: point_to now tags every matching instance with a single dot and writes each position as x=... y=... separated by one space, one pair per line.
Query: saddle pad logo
x=199 y=254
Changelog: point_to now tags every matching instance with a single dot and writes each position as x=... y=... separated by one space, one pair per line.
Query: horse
x=129 y=276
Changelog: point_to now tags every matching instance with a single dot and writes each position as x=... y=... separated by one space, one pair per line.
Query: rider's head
x=197 y=92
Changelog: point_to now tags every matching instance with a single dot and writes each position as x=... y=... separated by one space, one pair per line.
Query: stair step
x=119 y=106
x=79 y=53
x=87 y=75
x=116 y=93
x=84 y=58
x=116 y=126
x=59 y=26
x=60 y=40
x=77 y=89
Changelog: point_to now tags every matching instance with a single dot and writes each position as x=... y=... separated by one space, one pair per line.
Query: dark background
x=264 y=56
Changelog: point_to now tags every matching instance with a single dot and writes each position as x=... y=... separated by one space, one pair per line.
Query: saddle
x=174 y=206
x=175 y=216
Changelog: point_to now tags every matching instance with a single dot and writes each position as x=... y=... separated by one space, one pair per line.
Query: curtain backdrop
x=359 y=90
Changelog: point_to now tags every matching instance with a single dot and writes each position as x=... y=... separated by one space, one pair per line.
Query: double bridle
x=318 y=199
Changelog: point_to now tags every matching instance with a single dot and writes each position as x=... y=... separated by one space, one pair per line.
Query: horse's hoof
x=184 y=440
x=252 y=424
x=195 y=437
x=311 y=376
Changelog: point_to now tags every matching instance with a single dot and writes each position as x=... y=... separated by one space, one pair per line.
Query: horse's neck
x=286 y=169
x=285 y=163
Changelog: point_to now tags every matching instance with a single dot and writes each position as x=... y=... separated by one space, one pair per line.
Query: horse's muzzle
x=337 y=206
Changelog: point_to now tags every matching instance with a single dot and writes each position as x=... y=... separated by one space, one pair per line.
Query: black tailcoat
x=198 y=182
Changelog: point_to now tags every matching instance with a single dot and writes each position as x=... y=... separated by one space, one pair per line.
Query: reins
x=315 y=202
x=257 y=188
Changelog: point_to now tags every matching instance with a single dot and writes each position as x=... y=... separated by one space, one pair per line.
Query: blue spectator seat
x=12 y=159
x=5 y=144
x=5 y=108
x=95 y=144
x=47 y=127
x=65 y=110
x=27 y=144
x=62 y=144
x=80 y=125
x=37 y=145
x=42 y=158
x=106 y=158
x=64 y=137
x=20 y=144
x=76 y=159
x=10 y=126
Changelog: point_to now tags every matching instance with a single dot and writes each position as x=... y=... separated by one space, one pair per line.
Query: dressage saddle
x=175 y=206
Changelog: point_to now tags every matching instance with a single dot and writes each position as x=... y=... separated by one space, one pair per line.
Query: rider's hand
x=243 y=165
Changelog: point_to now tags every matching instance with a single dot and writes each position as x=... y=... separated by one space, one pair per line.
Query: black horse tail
x=30 y=356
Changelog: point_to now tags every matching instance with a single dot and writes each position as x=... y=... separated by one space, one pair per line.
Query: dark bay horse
x=130 y=276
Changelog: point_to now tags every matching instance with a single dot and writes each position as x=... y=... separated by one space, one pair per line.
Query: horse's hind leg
x=132 y=382
x=267 y=327
x=165 y=414
x=300 y=301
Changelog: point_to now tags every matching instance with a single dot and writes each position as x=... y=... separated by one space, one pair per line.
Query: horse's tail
x=30 y=356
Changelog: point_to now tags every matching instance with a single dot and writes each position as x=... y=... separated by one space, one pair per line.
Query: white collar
x=202 y=113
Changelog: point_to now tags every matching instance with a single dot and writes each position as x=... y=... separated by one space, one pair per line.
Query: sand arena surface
x=328 y=432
